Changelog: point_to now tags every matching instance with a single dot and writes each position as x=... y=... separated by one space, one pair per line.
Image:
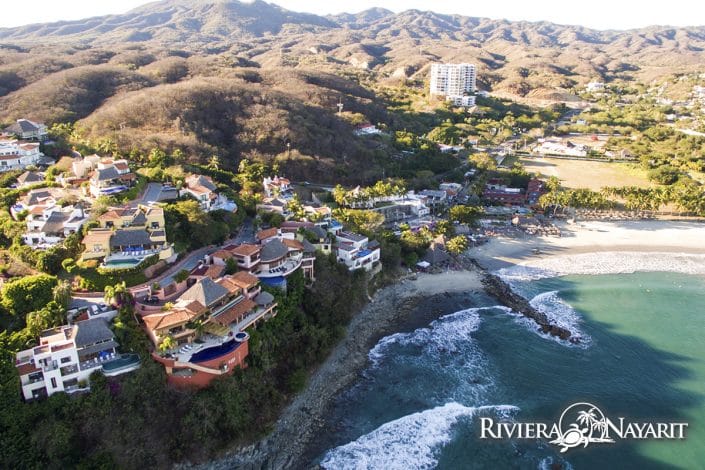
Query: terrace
x=284 y=269
x=207 y=347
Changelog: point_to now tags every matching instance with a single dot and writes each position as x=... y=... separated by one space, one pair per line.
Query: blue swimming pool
x=124 y=263
x=215 y=351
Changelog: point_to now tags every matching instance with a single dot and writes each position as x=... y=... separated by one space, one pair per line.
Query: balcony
x=68 y=370
x=284 y=269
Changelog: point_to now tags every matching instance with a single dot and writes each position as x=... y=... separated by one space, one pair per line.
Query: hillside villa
x=66 y=357
x=18 y=154
x=47 y=226
x=275 y=257
x=277 y=187
x=128 y=235
x=105 y=176
x=206 y=324
x=203 y=189
x=357 y=251
x=28 y=178
x=27 y=130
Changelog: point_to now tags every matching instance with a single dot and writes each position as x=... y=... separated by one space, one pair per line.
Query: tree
x=457 y=245
x=181 y=276
x=214 y=163
x=167 y=344
x=230 y=266
x=52 y=315
x=118 y=295
x=27 y=294
x=62 y=293
x=483 y=161
x=466 y=214
x=69 y=264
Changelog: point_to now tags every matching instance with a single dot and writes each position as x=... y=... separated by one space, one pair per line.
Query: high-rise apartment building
x=455 y=82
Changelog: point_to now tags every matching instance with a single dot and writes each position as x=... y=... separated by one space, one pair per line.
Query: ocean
x=641 y=357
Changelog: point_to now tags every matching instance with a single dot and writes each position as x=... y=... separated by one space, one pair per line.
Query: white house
x=49 y=225
x=356 y=251
x=110 y=177
x=27 y=130
x=17 y=154
x=277 y=187
x=553 y=147
x=366 y=129
x=66 y=357
x=203 y=189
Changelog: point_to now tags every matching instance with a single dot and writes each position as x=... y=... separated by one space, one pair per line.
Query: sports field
x=587 y=174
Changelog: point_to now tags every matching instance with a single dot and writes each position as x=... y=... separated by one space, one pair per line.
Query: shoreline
x=391 y=308
x=599 y=248
x=389 y=311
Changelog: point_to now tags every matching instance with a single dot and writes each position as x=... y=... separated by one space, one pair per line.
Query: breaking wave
x=446 y=334
x=622 y=262
x=410 y=442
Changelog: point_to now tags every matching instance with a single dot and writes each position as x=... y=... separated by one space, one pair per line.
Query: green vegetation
x=361 y=196
x=98 y=429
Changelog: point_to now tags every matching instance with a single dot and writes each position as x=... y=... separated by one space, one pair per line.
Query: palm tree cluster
x=686 y=194
x=357 y=196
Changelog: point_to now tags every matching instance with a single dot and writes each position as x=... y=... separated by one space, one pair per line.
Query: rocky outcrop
x=500 y=290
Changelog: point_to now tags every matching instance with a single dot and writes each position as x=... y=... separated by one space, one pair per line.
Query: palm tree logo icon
x=587 y=425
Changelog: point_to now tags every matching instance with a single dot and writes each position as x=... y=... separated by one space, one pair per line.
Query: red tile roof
x=27 y=368
x=268 y=233
x=244 y=279
x=245 y=250
x=293 y=244
x=234 y=313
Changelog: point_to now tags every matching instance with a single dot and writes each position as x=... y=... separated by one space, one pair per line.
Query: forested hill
x=247 y=79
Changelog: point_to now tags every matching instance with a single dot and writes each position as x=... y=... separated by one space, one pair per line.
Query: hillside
x=236 y=79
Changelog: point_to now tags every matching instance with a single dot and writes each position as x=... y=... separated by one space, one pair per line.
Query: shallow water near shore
x=642 y=357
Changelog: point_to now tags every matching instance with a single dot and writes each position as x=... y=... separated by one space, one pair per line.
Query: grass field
x=587 y=174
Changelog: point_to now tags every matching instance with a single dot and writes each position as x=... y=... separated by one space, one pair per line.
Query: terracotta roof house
x=223 y=309
x=203 y=189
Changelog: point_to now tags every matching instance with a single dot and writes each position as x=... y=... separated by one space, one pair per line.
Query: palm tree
x=214 y=163
x=167 y=343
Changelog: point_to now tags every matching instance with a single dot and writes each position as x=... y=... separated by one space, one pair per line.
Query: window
x=53 y=382
x=65 y=360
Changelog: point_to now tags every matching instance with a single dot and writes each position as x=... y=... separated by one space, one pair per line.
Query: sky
x=598 y=14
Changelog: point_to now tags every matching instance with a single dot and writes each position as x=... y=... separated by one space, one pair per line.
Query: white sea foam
x=621 y=262
x=410 y=442
x=443 y=335
x=561 y=314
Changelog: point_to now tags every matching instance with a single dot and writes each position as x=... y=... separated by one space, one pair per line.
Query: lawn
x=587 y=174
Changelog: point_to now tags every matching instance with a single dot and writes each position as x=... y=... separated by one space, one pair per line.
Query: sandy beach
x=589 y=247
x=303 y=419
x=599 y=247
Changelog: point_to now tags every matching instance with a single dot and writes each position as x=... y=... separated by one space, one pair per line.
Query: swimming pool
x=122 y=364
x=215 y=351
x=122 y=263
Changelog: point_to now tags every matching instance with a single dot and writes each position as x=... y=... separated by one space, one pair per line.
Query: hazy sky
x=601 y=14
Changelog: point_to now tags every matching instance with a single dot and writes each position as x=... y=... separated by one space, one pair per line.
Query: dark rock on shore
x=499 y=289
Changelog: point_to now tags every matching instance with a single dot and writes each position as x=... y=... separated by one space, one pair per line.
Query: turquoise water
x=643 y=358
x=123 y=361
x=123 y=264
